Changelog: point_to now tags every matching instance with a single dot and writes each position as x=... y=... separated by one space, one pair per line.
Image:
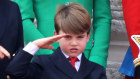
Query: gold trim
x=8 y=77
x=136 y=61
x=137 y=39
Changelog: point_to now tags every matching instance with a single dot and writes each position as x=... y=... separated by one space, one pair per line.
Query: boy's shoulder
x=41 y=57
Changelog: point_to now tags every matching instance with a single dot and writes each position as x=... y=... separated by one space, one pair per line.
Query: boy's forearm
x=21 y=63
x=19 y=66
x=31 y=48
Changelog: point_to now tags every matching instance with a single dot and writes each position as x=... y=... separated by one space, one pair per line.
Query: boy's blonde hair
x=72 y=18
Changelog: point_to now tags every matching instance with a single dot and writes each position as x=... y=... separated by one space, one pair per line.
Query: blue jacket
x=54 y=66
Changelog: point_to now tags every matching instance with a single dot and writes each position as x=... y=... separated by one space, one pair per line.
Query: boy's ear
x=55 y=33
x=88 y=36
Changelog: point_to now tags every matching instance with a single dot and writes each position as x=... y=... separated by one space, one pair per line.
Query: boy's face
x=73 y=44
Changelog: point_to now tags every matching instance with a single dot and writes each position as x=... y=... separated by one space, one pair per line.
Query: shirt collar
x=79 y=56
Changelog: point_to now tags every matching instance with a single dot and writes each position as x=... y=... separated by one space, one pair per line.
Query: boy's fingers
x=45 y=42
x=50 y=47
x=47 y=47
x=5 y=52
x=55 y=38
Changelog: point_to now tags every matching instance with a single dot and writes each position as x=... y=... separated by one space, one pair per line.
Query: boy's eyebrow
x=67 y=35
x=81 y=35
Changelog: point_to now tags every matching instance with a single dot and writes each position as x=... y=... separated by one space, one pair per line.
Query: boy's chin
x=74 y=55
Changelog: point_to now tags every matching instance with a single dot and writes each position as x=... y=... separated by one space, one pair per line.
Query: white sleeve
x=31 y=48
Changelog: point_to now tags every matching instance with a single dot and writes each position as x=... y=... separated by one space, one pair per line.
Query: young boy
x=72 y=31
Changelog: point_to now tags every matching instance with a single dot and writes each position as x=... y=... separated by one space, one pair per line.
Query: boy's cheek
x=62 y=40
x=87 y=40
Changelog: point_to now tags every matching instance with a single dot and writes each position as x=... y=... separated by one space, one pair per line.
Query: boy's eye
x=67 y=36
x=80 y=36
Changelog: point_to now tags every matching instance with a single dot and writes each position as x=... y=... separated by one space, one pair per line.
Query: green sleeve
x=102 y=27
x=31 y=33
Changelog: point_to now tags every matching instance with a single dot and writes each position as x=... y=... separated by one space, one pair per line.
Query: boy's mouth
x=73 y=50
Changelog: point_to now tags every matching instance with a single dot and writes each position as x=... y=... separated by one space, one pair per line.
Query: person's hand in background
x=3 y=53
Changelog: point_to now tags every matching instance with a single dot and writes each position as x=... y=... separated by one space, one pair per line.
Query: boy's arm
x=21 y=67
x=101 y=24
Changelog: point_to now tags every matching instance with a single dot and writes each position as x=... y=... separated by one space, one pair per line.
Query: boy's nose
x=74 y=42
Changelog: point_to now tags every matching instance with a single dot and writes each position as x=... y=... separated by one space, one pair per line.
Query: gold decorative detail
x=137 y=61
x=137 y=64
x=14 y=54
x=137 y=39
x=8 y=77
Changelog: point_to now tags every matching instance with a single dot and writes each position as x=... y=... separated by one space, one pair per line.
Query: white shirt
x=77 y=63
x=32 y=49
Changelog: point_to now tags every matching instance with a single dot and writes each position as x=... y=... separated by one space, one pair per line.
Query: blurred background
x=119 y=41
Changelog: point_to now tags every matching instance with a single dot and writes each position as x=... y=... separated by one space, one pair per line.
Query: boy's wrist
x=31 y=48
x=36 y=43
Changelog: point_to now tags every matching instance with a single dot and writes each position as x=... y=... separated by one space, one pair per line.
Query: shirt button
x=14 y=54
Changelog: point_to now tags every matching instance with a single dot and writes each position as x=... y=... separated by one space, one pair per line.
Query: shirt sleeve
x=31 y=48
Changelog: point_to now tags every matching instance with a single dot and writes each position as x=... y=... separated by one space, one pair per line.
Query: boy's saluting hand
x=45 y=42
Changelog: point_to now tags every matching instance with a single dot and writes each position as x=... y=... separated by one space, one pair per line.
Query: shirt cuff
x=31 y=48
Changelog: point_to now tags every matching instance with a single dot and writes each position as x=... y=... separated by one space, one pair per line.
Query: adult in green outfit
x=44 y=11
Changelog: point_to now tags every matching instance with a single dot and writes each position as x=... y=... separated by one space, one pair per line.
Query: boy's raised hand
x=4 y=52
x=45 y=42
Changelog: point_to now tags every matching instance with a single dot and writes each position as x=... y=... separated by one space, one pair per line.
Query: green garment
x=44 y=11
